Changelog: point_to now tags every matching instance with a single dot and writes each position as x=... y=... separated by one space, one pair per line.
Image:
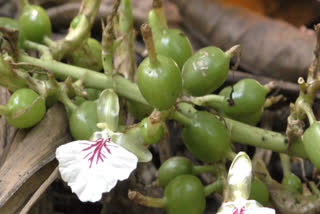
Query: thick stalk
x=239 y=132
x=250 y=135
x=92 y=79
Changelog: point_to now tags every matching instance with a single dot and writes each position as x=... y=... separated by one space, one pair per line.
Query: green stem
x=4 y=110
x=160 y=15
x=231 y=155
x=90 y=8
x=187 y=109
x=92 y=79
x=44 y=50
x=72 y=41
x=67 y=102
x=197 y=170
x=308 y=110
x=147 y=201
x=48 y=41
x=285 y=162
x=180 y=117
x=77 y=35
x=240 y=132
x=212 y=100
x=250 y=135
x=125 y=16
x=216 y=186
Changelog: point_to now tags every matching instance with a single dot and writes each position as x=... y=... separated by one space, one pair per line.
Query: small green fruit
x=160 y=83
x=172 y=168
x=206 y=137
x=22 y=100
x=292 y=183
x=248 y=97
x=185 y=195
x=259 y=192
x=83 y=121
x=205 y=71
x=35 y=23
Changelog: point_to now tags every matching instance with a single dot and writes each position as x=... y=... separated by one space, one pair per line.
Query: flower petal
x=93 y=167
x=241 y=206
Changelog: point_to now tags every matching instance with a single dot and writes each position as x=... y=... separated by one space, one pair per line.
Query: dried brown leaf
x=35 y=150
x=269 y=47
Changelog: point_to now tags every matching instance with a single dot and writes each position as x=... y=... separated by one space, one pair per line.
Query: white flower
x=242 y=206
x=93 y=167
x=239 y=184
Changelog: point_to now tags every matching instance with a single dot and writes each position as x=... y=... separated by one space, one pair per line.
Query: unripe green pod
x=83 y=120
x=160 y=83
x=23 y=100
x=248 y=97
x=292 y=183
x=259 y=192
x=311 y=139
x=151 y=131
x=185 y=195
x=171 y=43
x=206 y=137
x=35 y=23
x=174 y=44
x=250 y=118
x=205 y=71
x=174 y=167
x=88 y=56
